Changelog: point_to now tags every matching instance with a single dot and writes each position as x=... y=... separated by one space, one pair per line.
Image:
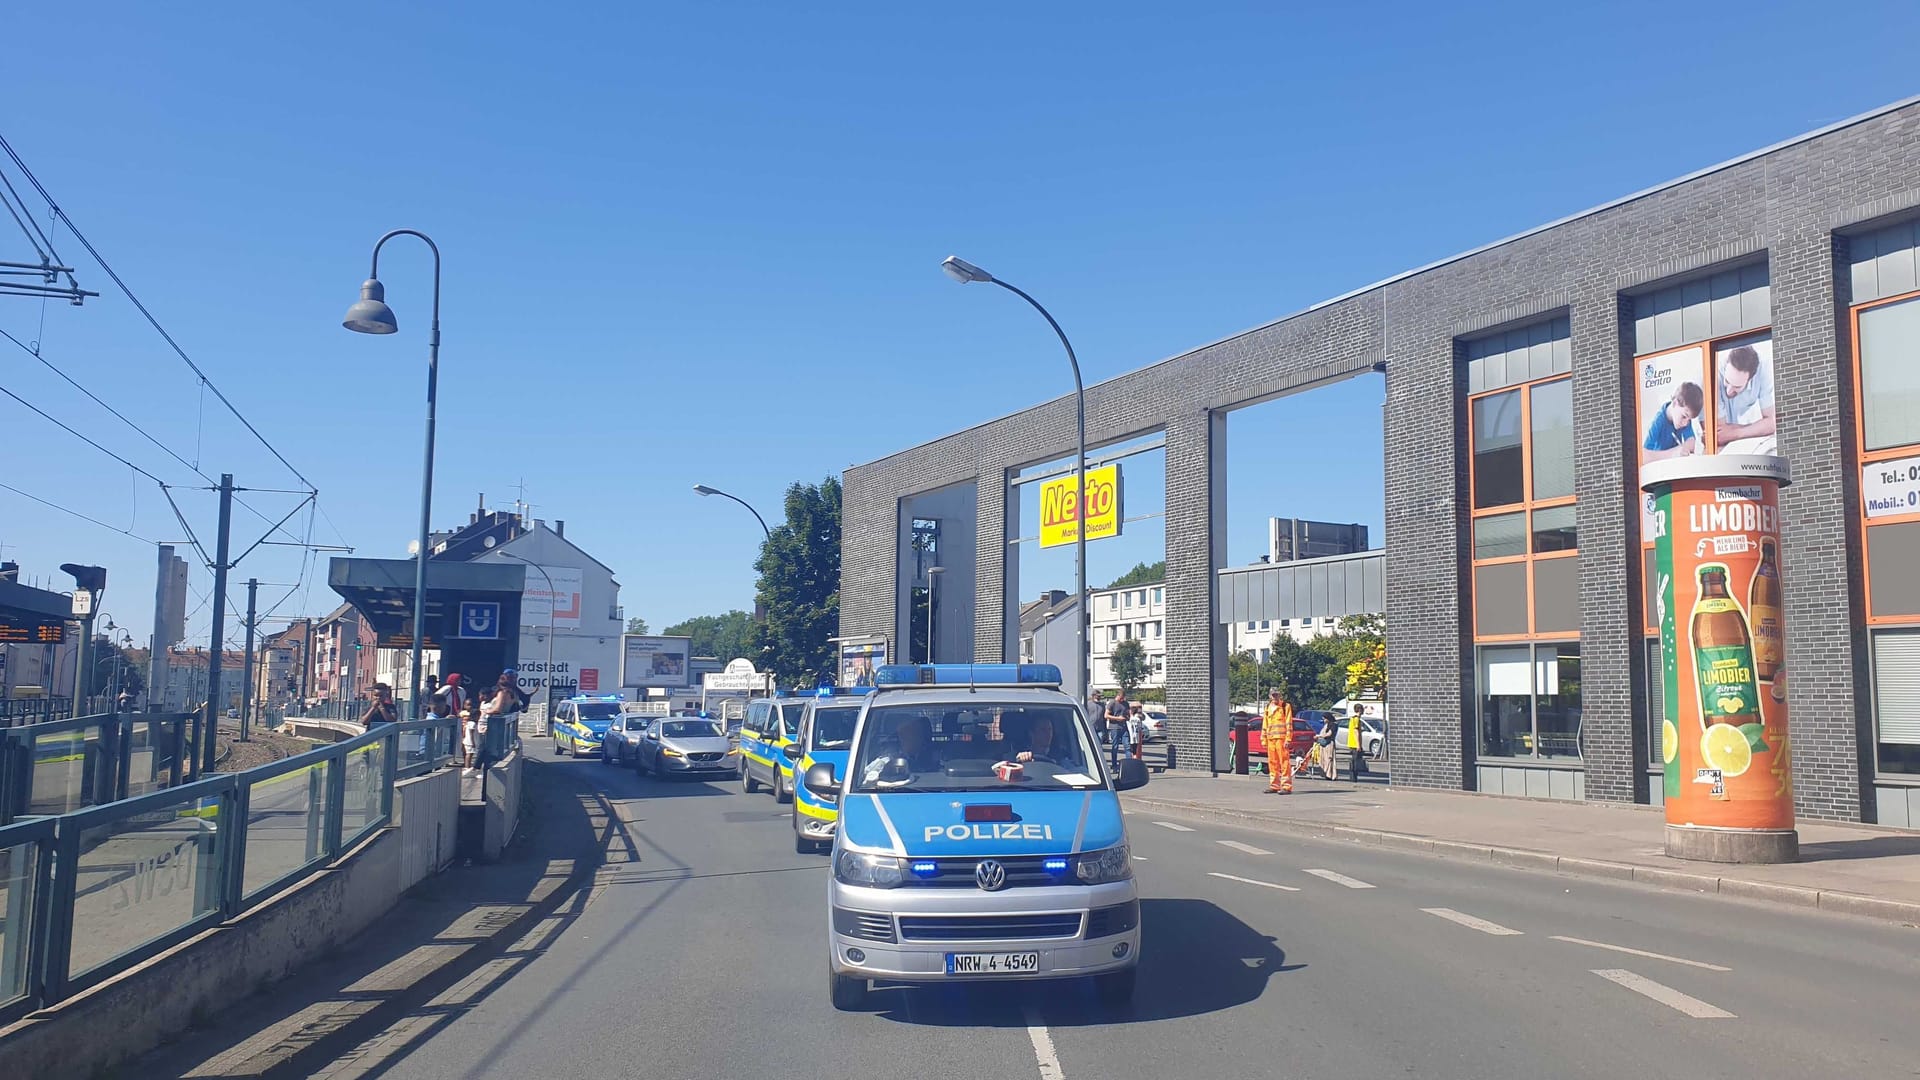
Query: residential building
x=1137 y=612
x=569 y=595
x=187 y=671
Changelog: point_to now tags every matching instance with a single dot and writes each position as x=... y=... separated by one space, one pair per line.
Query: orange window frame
x=1709 y=346
x=1864 y=457
x=1526 y=506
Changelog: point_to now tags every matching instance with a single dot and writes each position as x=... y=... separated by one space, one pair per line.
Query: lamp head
x=703 y=489
x=370 y=314
x=963 y=271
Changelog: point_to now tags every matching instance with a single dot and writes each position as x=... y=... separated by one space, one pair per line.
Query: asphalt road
x=697 y=951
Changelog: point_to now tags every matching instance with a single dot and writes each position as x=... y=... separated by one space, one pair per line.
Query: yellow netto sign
x=1060 y=511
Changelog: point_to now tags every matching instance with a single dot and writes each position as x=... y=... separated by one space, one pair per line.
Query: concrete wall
x=426 y=811
x=502 y=809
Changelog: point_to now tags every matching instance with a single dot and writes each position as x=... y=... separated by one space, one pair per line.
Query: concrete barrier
x=127 y=1016
x=320 y=729
x=502 y=808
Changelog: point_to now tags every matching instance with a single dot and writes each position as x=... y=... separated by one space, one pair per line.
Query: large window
x=1525 y=542
x=1886 y=335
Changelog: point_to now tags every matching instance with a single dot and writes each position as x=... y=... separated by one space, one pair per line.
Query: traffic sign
x=479 y=619
x=82 y=603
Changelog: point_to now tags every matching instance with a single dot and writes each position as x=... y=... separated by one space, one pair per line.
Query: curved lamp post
x=552 y=597
x=371 y=315
x=966 y=273
x=705 y=490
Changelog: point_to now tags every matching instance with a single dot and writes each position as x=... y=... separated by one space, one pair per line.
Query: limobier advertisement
x=1724 y=745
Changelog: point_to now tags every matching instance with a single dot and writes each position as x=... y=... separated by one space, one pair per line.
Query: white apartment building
x=1138 y=613
x=1257 y=637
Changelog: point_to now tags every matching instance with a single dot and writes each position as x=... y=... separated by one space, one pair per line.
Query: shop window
x=1529 y=700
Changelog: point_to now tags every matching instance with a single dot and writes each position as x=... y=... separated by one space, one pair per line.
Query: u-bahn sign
x=1059 y=507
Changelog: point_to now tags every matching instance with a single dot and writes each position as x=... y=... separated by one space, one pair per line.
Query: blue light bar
x=967 y=675
x=1055 y=866
x=927 y=867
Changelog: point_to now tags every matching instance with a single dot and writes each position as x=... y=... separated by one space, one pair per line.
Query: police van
x=770 y=724
x=580 y=723
x=826 y=735
x=979 y=837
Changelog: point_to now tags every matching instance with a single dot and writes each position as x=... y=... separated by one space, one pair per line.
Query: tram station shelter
x=1770 y=304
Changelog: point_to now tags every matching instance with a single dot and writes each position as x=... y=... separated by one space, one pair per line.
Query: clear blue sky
x=699 y=243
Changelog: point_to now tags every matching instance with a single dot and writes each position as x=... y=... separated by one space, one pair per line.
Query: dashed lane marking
x=1238 y=846
x=1174 y=825
x=1665 y=995
x=1251 y=881
x=1641 y=952
x=1339 y=879
x=1472 y=922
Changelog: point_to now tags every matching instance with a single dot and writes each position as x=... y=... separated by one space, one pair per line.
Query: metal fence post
x=21 y=878
x=236 y=811
x=58 y=940
x=316 y=810
x=336 y=800
x=389 y=764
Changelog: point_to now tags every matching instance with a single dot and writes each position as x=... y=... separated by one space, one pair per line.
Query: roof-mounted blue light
x=825 y=691
x=898 y=675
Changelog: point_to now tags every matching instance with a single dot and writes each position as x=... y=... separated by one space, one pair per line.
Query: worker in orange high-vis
x=1276 y=727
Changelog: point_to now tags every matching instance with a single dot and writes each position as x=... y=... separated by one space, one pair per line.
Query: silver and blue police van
x=980 y=837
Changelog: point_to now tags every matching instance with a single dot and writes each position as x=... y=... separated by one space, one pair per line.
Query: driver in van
x=1039 y=741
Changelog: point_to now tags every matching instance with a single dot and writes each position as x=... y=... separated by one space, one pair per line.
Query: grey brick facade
x=1790 y=206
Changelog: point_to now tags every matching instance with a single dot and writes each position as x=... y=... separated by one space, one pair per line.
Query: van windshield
x=833 y=726
x=954 y=748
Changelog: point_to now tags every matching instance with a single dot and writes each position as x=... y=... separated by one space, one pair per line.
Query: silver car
x=621 y=746
x=685 y=746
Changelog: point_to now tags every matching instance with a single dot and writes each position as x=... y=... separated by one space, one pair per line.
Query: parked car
x=1305 y=726
x=1153 y=722
x=1373 y=736
x=686 y=746
x=621 y=746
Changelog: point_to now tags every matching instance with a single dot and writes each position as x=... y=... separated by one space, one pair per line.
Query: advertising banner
x=1687 y=409
x=1059 y=507
x=860 y=659
x=1724 y=747
x=654 y=662
x=563 y=599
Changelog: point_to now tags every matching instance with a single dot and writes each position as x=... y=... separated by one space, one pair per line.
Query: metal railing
x=89 y=893
x=60 y=766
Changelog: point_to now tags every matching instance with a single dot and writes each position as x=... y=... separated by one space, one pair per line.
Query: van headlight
x=1108 y=864
x=873 y=871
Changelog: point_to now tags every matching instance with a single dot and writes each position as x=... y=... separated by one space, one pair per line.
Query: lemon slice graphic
x=1669 y=741
x=1725 y=748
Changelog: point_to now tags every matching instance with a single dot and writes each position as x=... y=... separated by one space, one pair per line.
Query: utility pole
x=157 y=660
x=306 y=661
x=218 y=657
x=246 y=672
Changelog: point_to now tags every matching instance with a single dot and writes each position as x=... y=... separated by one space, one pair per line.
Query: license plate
x=992 y=963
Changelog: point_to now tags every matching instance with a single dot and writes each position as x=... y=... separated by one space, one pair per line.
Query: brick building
x=1525 y=381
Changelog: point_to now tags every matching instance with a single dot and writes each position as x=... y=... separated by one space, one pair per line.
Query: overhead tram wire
x=69 y=510
x=142 y=308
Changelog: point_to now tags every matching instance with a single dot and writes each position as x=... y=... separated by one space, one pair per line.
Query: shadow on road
x=1195 y=958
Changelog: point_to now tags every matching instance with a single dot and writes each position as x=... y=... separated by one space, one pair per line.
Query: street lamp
x=547 y=722
x=966 y=273
x=933 y=574
x=705 y=490
x=371 y=315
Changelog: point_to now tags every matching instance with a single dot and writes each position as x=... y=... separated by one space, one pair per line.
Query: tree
x=638 y=625
x=1245 y=681
x=106 y=658
x=726 y=636
x=1130 y=666
x=1299 y=672
x=1142 y=574
x=1357 y=655
x=800 y=585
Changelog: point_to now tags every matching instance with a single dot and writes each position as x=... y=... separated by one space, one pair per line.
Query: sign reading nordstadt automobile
x=1060 y=510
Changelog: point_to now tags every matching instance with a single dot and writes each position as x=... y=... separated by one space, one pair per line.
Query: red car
x=1303 y=733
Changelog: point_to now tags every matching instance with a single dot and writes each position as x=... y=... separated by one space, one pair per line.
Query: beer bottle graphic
x=1763 y=606
x=1723 y=654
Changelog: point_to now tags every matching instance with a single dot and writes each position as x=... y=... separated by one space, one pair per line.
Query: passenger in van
x=1039 y=741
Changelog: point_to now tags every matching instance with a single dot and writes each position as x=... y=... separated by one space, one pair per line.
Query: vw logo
x=990 y=875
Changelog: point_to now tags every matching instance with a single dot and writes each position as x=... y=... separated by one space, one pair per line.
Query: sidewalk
x=1853 y=869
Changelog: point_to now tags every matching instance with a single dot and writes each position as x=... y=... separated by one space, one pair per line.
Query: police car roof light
x=904 y=675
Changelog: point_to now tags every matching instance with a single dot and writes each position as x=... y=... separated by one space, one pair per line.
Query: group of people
x=1119 y=720
x=451 y=699
x=1276 y=729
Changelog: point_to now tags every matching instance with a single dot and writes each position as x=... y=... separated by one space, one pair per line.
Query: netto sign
x=1060 y=510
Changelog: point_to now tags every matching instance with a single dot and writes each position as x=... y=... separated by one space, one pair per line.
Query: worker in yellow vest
x=1353 y=744
x=1276 y=728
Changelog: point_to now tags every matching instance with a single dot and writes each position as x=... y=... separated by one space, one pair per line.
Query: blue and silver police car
x=580 y=723
x=980 y=837
x=826 y=735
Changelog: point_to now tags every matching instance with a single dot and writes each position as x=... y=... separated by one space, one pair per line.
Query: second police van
x=770 y=724
x=826 y=735
x=979 y=837
x=580 y=723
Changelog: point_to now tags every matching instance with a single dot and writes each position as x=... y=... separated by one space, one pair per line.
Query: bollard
x=1173 y=756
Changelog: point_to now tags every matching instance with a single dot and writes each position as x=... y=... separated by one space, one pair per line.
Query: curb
x=1877 y=907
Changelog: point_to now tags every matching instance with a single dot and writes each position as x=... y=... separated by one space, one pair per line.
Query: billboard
x=654 y=662
x=1059 y=507
x=1687 y=408
x=562 y=600
x=860 y=658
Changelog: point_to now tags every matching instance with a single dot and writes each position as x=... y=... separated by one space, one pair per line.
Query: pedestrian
x=1323 y=745
x=1116 y=714
x=1276 y=728
x=381 y=710
x=450 y=702
x=1353 y=744
x=500 y=706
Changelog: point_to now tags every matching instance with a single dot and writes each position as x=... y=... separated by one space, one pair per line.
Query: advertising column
x=1728 y=773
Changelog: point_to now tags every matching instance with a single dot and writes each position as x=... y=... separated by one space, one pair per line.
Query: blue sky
x=699 y=243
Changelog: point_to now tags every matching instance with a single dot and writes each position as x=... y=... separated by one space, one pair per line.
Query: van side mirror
x=821 y=781
x=791 y=751
x=1133 y=774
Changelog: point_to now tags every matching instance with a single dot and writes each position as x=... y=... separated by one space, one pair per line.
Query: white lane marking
x=1238 y=846
x=1139 y=858
x=1250 y=881
x=1174 y=825
x=1339 y=879
x=1665 y=995
x=1641 y=952
x=1043 y=1051
x=1471 y=922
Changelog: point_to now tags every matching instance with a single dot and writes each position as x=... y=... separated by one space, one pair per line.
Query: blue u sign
x=479 y=619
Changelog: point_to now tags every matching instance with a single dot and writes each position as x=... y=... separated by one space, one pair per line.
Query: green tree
x=1356 y=653
x=1130 y=666
x=106 y=658
x=638 y=625
x=1141 y=574
x=727 y=636
x=1245 y=680
x=1300 y=672
x=800 y=585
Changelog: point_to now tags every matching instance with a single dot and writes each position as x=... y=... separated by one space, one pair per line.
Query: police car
x=980 y=837
x=826 y=735
x=580 y=723
x=770 y=724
